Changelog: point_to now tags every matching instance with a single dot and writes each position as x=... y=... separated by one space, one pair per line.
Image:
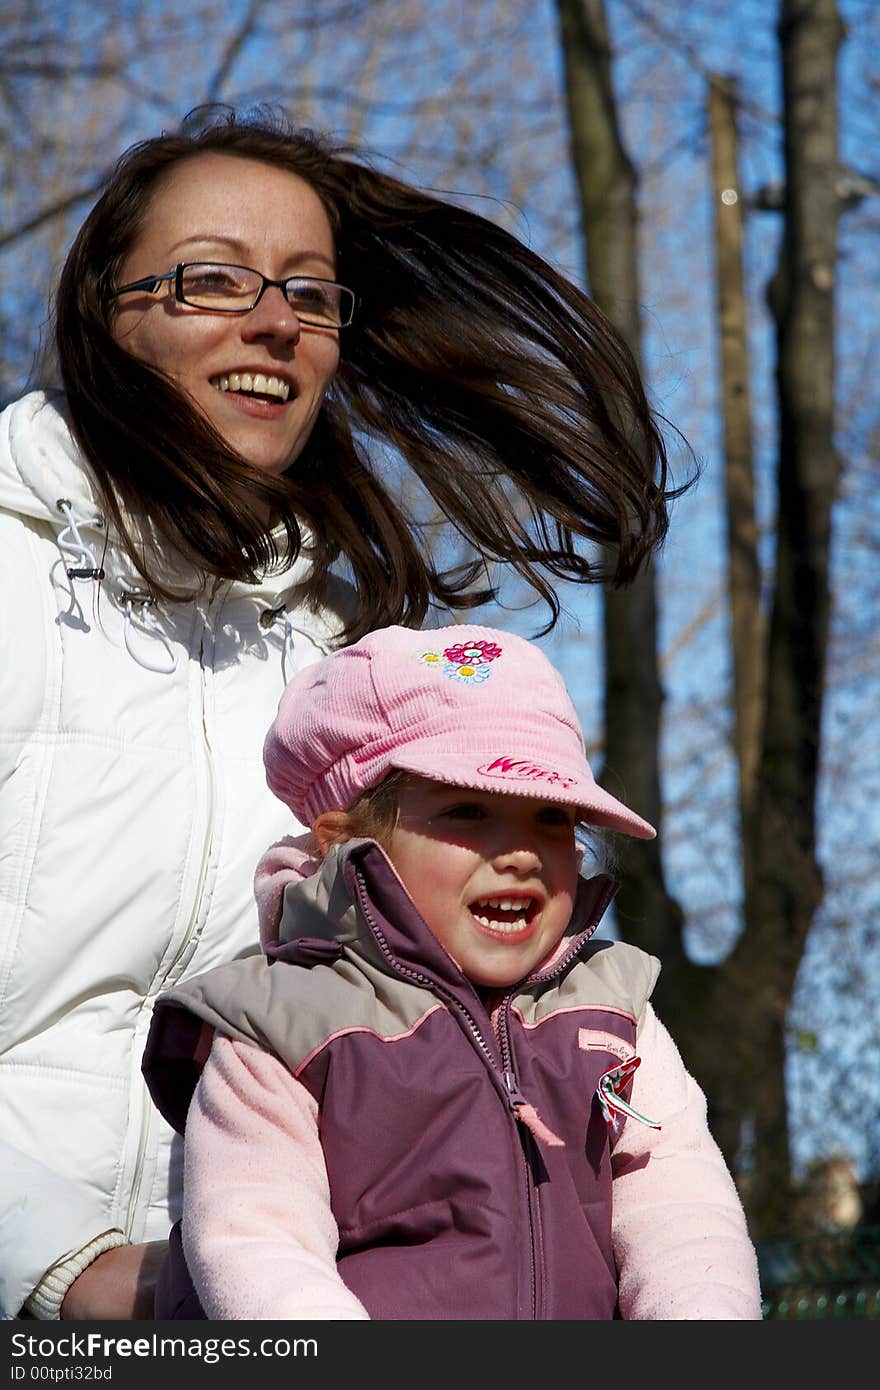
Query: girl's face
x=493 y=875
x=218 y=207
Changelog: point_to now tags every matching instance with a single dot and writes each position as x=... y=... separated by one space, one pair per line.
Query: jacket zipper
x=516 y=1097
x=160 y=983
x=208 y=839
x=508 y=1079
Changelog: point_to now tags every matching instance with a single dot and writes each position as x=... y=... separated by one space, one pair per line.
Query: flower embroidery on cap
x=468 y=672
x=467 y=662
x=469 y=652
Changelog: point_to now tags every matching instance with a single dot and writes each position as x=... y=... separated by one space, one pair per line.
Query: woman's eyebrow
x=241 y=248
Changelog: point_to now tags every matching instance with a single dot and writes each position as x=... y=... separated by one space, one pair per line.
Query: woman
x=251 y=326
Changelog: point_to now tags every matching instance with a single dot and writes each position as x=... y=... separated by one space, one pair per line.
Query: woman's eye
x=309 y=297
x=211 y=280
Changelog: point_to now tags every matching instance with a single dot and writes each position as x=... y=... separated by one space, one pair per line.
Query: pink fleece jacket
x=259 y=1235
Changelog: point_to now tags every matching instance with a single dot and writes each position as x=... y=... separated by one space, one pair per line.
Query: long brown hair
x=501 y=385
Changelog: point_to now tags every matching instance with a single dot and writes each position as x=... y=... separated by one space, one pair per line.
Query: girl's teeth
x=501 y=926
x=484 y=906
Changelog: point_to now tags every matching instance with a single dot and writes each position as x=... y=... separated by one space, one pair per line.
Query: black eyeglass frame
x=151 y=283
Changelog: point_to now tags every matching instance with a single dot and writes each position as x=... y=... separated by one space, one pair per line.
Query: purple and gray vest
x=447 y=1205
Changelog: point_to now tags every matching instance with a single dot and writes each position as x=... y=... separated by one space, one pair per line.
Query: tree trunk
x=633 y=696
x=786 y=882
x=744 y=577
x=729 y=1020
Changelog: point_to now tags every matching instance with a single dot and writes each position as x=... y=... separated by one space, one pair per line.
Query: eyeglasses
x=236 y=289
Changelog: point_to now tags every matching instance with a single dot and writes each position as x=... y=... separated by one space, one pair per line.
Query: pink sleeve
x=258 y=1231
x=680 y=1238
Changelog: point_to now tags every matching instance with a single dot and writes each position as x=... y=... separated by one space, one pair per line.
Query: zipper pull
x=528 y=1115
x=615 y=1110
x=514 y=1096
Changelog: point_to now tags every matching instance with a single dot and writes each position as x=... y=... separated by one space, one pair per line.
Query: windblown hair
x=501 y=385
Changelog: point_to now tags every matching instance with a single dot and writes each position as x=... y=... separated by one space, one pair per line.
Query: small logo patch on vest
x=595 y=1040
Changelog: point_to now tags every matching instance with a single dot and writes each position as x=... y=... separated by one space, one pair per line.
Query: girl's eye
x=556 y=816
x=465 y=810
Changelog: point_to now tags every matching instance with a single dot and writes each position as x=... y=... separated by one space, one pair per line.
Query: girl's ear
x=332 y=828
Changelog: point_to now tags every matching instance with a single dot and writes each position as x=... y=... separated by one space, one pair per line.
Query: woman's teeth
x=258 y=384
x=487 y=912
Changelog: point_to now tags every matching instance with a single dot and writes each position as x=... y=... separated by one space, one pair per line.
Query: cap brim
x=568 y=786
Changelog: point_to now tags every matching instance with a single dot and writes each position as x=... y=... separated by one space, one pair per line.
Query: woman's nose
x=273 y=317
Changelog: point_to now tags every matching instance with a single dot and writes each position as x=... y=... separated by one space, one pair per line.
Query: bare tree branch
x=48 y=213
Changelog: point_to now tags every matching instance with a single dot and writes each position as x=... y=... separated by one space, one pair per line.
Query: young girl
x=435 y=1096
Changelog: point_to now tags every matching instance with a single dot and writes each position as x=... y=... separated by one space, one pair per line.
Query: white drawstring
x=71 y=539
x=287 y=649
x=268 y=618
x=147 y=623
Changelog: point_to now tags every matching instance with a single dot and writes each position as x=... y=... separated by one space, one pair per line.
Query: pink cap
x=472 y=706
